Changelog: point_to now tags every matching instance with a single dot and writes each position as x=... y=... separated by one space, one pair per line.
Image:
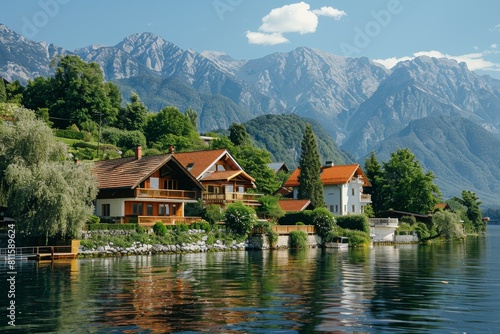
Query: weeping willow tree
x=44 y=190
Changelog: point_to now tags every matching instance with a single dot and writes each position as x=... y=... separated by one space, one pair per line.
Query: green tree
x=193 y=117
x=45 y=192
x=213 y=214
x=14 y=92
x=38 y=93
x=238 y=135
x=171 y=127
x=135 y=114
x=405 y=186
x=3 y=93
x=310 y=186
x=473 y=212
x=240 y=218
x=447 y=225
x=374 y=173
x=80 y=93
x=269 y=208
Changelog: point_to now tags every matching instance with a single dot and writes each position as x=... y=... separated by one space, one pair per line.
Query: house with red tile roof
x=295 y=205
x=221 y=175
x=145 y=189
x=342 y=188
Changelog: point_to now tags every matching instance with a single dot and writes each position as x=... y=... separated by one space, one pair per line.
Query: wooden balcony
x=228 y=198
x=149 y=221
x=165 y=194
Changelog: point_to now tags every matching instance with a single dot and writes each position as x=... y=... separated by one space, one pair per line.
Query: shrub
x=299 y=223
x=422 y=231
x=291 y=218
x=101 y=226
x=269 y=208
x=268 y=228
x=201 y=225
x=323 y=221
x=356 y=238
x=354 y=222
x=410 y=220
x=71 y=134
x=298 y=239
x=93 y=220
x=213 y=214
x=240 y=218
x=159 y=229
x=182 y=227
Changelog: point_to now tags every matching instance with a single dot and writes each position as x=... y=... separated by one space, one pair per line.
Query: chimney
x=171 y=149
x=329 y=164
x=138 y=152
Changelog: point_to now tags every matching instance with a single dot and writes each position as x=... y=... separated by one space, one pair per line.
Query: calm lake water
x=446 y=288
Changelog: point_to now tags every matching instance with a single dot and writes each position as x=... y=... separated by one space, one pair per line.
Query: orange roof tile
x=289 y=205
x=226 y=175
x=341 y=174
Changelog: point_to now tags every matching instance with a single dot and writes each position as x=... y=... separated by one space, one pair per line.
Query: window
x=149 y=210
x=154 y=183
x=163 y=210
x=213 y=189
x=137 y=209
x=336 y=208
x=353 y=208
x=106 y=210
x=352 y=191
x=229 y=189
x=241 y=189
x=331 y=208
x=169 y=184
x=345 y=207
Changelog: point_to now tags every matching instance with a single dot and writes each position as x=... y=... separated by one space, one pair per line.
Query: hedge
x=71 y=134
x=354 y=222
x=101 y=226
x=292 y=218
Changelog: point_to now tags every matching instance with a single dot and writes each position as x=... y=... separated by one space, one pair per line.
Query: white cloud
x=293 y=18
x=494 y=46
x=266 y=39
x=475 y=61
x=330 y=12
x=496 y=28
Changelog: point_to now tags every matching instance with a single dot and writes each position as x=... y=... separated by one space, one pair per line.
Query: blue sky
x=383 y=30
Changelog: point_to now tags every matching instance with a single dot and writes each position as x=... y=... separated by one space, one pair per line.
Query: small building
x=295 y=205
x=342 y=188
x=278 y=167
x=145 y=189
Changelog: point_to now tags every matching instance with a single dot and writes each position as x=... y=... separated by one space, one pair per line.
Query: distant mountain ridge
x=361 y=105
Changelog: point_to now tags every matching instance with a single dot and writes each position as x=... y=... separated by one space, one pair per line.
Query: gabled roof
x=277 y=166
x=226 y=175
x=292 y=205
x=198 y=163
x=130 y=172
x=331 y=175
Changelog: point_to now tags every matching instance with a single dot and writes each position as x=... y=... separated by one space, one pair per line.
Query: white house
x=342 y=188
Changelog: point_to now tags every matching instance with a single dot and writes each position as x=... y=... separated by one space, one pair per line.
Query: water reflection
x=408 y=289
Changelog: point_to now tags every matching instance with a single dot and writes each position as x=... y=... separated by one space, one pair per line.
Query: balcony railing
x=165 y=193
x=247 y=199
x=366 y=198
x=149 y=221
x=390 y=222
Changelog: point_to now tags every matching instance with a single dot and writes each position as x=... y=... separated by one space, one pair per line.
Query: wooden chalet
x=224 y=180
x=145 y=189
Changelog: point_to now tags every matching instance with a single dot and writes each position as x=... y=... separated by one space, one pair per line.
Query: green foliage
x=213 y=214
x=45 y=193
x=410 y=220
x=3 y=93
x=300 y=223
x=93 y=220
x=323 y=221
x=422 y=231
x=69 y=133
x=193 y=117
x=201 y=225
x=473 y=212
x=310 y=186
x=356 y=238
x=354 y=222
x=182 y=227
x=135 y=114
x=14 y=92
x=268 y=230
x=269 y=208
x=114 y=227
x=448 y=225
x=123 y=138
x=159 y=229
x=404 y=186
x=374 y=173
x=240 y=218
x=238 y=135
x=298 y=239
x=292 y=218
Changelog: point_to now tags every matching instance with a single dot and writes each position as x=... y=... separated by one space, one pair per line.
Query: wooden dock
x=42 y=253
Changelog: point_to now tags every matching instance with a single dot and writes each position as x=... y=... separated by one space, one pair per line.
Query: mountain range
x=446 y=114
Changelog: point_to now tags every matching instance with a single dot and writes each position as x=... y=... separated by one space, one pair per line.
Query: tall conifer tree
x=310 y=168
x=3 y=94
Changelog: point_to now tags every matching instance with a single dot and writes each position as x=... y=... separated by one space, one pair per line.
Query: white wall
x=117 y=206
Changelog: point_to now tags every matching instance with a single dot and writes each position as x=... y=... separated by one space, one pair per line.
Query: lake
x=441 y=288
